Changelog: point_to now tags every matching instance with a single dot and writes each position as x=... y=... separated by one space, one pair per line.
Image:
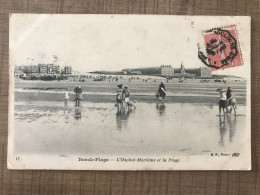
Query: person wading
x=228 y=95
x=161 y=91
x=66 y=96
x=119 y=97
x=78 y=92
x=222 y=101
x=231 y=101
x=126 y=96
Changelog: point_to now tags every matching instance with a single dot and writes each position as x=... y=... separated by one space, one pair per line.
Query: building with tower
x=169 y=71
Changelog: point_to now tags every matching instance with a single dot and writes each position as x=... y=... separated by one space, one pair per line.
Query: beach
x=190 y=91
x=185 y=123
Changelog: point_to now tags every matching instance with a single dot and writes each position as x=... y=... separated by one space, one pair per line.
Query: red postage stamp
x=222 y=48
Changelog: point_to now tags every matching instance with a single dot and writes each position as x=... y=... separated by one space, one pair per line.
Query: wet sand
x=153 y=128
x=186 y=123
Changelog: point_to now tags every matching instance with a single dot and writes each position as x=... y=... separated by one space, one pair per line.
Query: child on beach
x=222 y=100
x=126 y=93
x=67 y=94
x=119 y=98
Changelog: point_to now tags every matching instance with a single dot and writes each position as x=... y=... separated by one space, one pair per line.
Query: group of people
x=78 y=95
x=227 y=99
x=123 y=97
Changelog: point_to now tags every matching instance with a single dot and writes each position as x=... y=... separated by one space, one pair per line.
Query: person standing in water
x=222 y=101
x=231 y=100
x=126 y=96
x=228 y=95
x=161 y=91
x=119 y=97
x=78 y=94
x=66 y=96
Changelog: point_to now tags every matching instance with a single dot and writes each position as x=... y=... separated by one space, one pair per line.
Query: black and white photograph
x=129 y=92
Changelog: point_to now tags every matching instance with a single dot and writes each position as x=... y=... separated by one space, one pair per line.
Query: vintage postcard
x=129 y=92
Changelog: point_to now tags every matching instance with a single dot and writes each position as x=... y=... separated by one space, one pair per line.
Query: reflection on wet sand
x=222 y=129
x=66 y=116
x=160 y=107
x=122 y=118
x=232 y=125
x=148 y=129
x=77 y=113
x=227 y=123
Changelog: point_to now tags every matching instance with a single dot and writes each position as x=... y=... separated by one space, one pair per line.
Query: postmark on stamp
x=222 y=48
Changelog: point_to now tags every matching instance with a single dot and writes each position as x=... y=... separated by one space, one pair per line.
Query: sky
x=113 y=42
